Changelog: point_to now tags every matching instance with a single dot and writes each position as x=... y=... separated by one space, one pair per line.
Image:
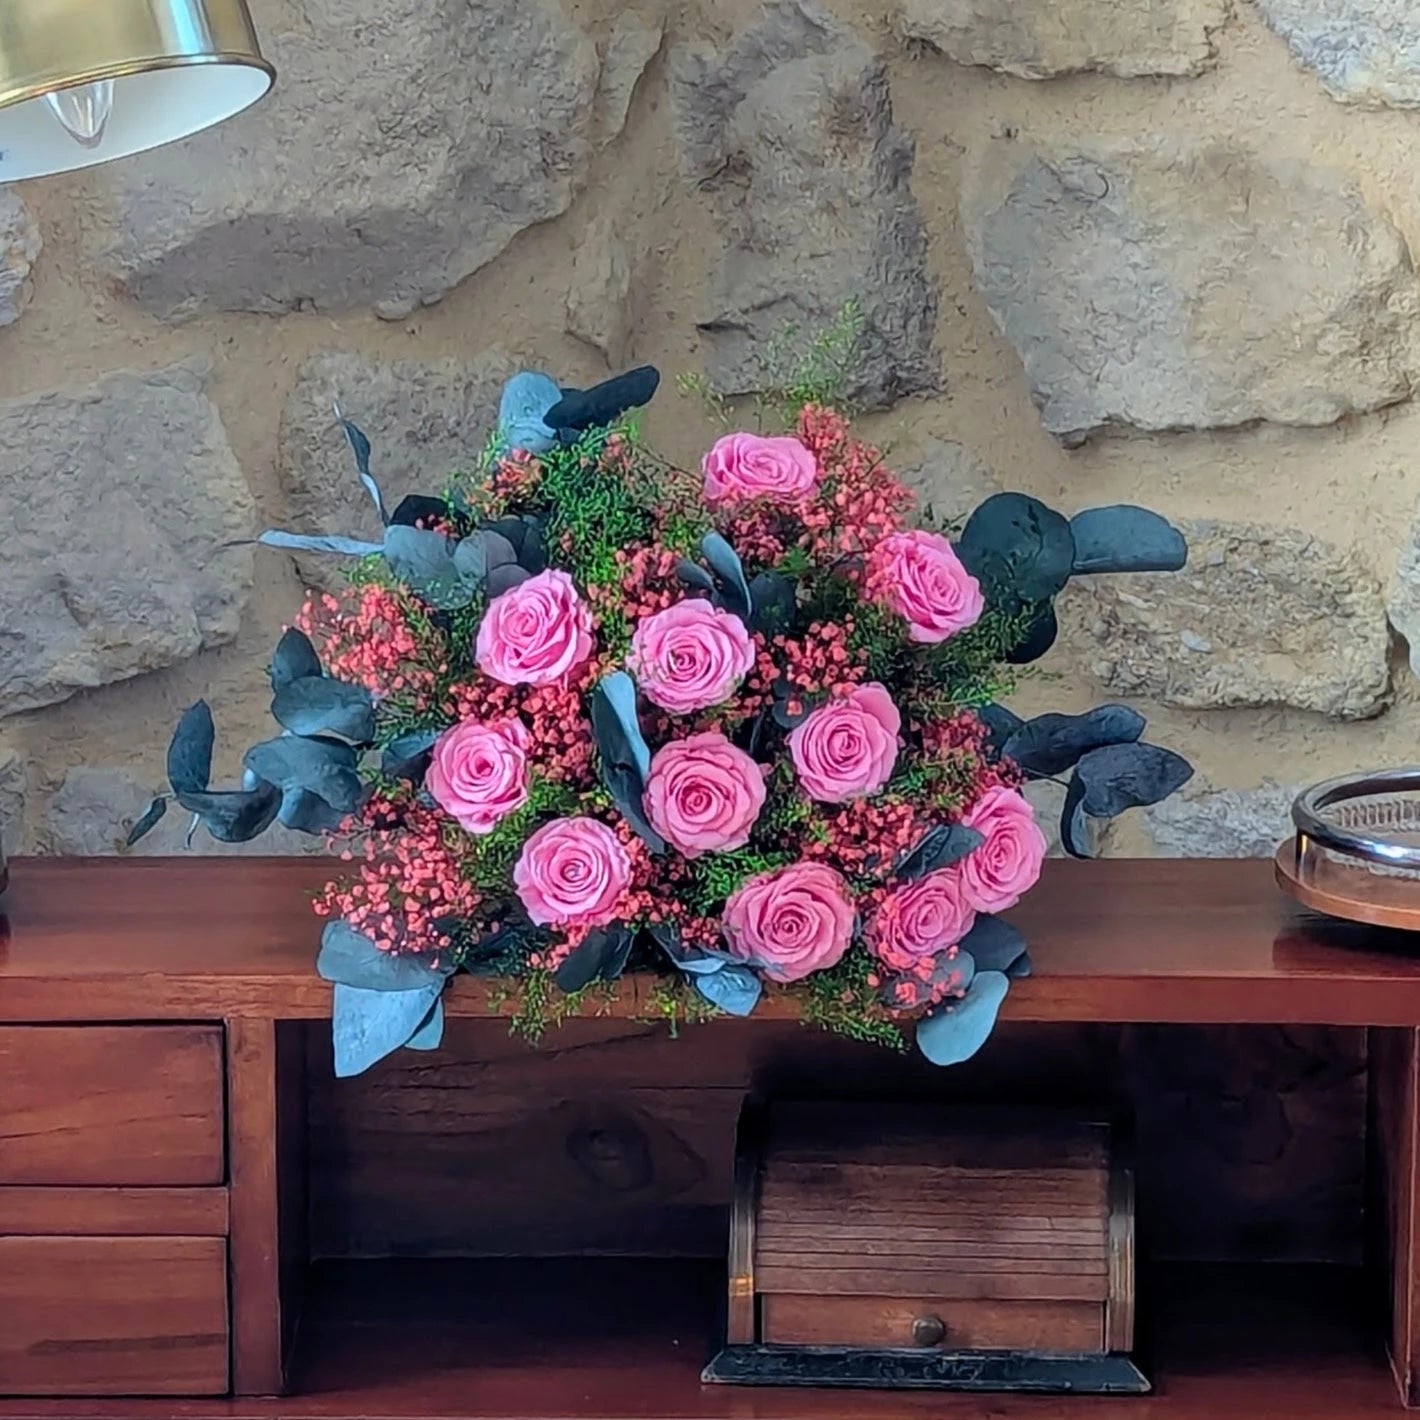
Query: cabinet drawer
x=955 y=1325
x=107 y=1105
x=113 y=1316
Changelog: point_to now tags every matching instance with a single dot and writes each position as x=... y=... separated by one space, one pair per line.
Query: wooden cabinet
x=111 y=1105
x=113 y=1316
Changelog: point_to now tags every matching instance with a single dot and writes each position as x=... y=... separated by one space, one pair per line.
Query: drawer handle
x=929 y=1331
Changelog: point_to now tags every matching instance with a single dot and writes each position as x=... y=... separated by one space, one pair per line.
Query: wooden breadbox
x=926 y=1245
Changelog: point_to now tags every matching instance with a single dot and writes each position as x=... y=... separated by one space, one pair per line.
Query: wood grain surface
x=111 y=1104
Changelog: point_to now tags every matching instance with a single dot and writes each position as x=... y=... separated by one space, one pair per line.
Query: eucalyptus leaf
x=774 y=603
x=734 y=989
x=791 y=706
x=601 y=956
x=416 y=508
x=406 y=757
x=307 y=812
x=317 y=542
x=360 y=447
x=1074 y=831
x=480 y=552
x=349 y=957
x=369 y=1025
x=319 y=705
x=952 y=1034
x=190 y=750
x=151 y=815
x=604 y=403
x=994 y=944
x=424 y=560
x=294 y=658
x=430 y=1035
x=326 y=768
x=234 y=816
x=522 y=409
x=1038 y=638
x=1020 y=550
x=527 y=535
x=625 y=756
x=952 y=971
x=1051 y=744
x=1020 y=968
x=939 y=847
x=1124 y=538
x=1126 y=776
x=694 y=961
x=504 y=579
x=1000 y=723
x=694 y=575
x=731 y=589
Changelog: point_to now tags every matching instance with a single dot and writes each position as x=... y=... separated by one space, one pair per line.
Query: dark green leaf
x=1020 y=968
x=407 y=757
x=1074 y=831
x=360 y=447
x=1038 y=638
x=1124 y=538
x=694 y=961
x=424 y=561
x=504 y=579
x=603 y=404
x=236 y=816
x=1020 y=550
x=326 y=768
x=731 y=589
x=625 y=756
x=1125 y=776
x=774 y=603
x=528 y=536
x=309 y=813
x=694 y=575
x=951 y=971
x=1051 y=744
x=480 y=553
x=952 y=1034
x=417 y=508
x=994 y=944
x=190 y=750
x=293 y=658
x=145 y=825
x=1000 y=723
x=318 y=705
x=601 y=956
x=939 y=847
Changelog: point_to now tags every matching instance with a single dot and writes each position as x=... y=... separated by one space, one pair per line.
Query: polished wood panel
x=1395 y=1197
x=113 y=1212
x=111 y=1104
x=626 y=1341
x=116 y=1316
x=1198 y=941
x=268 y=1200
x=788 y=1320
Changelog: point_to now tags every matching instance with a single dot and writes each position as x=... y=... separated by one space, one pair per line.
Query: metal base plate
x=927 y=1370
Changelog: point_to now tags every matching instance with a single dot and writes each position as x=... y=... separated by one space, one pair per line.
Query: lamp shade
x=85 y=81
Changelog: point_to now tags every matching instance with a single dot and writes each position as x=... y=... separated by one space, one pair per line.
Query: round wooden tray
x=1353 y=893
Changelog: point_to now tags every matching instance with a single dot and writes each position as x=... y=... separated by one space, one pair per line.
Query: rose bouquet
x=588 y=714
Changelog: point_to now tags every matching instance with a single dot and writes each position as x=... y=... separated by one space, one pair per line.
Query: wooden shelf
x=1157 y=941
x=618 y=1340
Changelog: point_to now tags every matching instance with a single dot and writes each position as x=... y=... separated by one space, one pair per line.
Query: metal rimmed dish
x=1356 y=854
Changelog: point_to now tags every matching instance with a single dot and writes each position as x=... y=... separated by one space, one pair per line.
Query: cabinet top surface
x=1119 y=940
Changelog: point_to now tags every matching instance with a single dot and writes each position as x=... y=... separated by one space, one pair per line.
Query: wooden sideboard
x=197 y=1220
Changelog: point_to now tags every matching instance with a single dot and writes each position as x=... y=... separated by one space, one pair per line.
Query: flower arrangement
x=588 y=713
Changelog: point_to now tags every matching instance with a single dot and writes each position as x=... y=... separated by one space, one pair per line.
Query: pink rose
x=744 y=466
x=536 y=633
x=791 y=922
x=1007 y=863
x=847 y=748
x=690 y=656
x=572 y=872
x=479 y=772
x=921 y=578
x=918 y=921
x=703 y=795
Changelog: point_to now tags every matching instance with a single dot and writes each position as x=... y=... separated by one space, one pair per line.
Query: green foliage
x=489 y=858
x=715 y=876
x=843 y=1001
x=675 y=1001
x=816 y=370
x=592 y=515
x=541 y=1006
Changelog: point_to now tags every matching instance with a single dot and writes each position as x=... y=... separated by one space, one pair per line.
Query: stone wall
x=1157 y=250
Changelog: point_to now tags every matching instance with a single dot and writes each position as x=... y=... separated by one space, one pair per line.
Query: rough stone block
x=789 y=132
x=119 y=501
x=20 y=246
x=1223 y=823
x=1365 y=52
x=1158 y=285
x=406 y=144
x=1260 y=616
x=1039 y=39
x=425 y=420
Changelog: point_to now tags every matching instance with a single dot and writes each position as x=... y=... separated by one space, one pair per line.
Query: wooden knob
x=929 y=1331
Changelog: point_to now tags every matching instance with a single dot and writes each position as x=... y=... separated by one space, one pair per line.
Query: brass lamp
x=85 y=81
